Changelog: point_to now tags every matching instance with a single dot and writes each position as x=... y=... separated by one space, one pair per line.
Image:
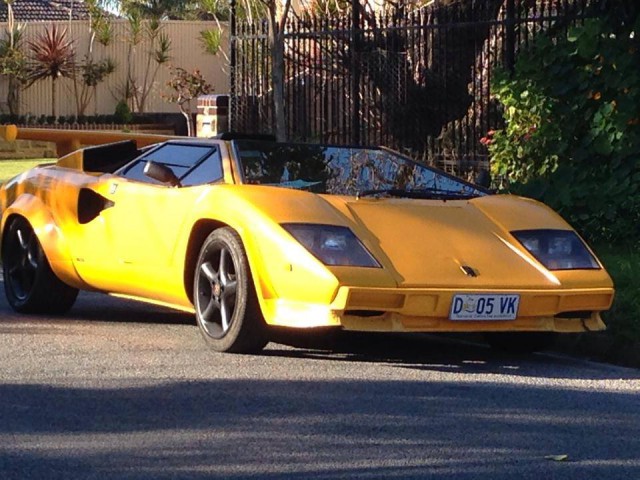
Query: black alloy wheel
x=29 y=283
x=227 y=309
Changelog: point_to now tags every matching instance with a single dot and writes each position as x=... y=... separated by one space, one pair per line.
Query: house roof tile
x=45 y=10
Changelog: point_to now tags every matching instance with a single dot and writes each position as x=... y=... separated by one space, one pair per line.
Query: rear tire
x=29 y=283
x=227 y=308
x=520 y=342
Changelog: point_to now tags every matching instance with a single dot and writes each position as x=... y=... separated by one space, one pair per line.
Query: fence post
x=356 y=33
x=233 y=103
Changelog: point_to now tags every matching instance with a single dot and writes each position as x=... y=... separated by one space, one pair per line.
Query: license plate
x=484 y=307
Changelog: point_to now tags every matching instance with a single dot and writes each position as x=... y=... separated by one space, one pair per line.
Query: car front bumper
x=427 y=310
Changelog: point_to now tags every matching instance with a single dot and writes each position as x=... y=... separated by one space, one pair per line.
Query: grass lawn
x=10 y=168
x=623 y=319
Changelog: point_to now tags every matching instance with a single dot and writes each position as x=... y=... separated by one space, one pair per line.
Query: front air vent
x=90 y=204
x=364 y=313
x=468 y=271
x=578 y=314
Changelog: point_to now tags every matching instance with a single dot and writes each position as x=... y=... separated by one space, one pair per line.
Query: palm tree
x=52 y=55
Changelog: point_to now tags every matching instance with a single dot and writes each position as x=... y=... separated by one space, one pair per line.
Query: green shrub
x=123 y=113
x=572 y=128
x=623 y=320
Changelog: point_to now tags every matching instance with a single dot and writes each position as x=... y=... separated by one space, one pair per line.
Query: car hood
x=431 y=243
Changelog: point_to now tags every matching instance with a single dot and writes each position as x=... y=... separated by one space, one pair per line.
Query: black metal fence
x=418 y=81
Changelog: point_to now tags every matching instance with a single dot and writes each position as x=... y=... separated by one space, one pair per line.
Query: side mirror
x=161 y=173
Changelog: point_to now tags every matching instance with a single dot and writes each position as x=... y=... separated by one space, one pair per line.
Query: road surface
x=118 y=389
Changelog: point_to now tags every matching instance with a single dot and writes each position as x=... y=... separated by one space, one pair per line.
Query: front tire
x=29 y=283
x=227 y=309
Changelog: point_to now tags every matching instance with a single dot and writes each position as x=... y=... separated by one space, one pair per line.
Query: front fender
x=281 y=268
x=49 y=234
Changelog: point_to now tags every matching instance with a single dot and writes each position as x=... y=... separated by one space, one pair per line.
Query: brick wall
x=26 y=149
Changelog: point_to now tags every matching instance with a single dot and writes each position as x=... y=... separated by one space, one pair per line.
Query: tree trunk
x=13 y=96
x=54 y=98
x=277 y=77
x=278 y=12
x=189 y=118
x=276 y=44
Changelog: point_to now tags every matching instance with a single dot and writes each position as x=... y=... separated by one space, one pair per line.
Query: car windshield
x=345 y=171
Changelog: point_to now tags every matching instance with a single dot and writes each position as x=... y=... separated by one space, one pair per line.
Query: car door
x=138 y=232
x=142 y=230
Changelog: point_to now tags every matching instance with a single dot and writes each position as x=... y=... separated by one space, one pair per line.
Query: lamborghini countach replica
x=250 y=234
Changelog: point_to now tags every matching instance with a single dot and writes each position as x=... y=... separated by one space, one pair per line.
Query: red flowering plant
x=488 y=140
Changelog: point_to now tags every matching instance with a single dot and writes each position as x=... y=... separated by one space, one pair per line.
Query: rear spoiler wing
x=68 y=141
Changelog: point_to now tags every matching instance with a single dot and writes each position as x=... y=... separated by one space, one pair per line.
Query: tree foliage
x=13 y=65
x=184 y=87
x=140 y=78
x=92 y=70
x=572 y=132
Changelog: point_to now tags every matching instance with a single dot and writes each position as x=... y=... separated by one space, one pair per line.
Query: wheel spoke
x=31 y=261
x=225 y=315
x=209 y=272
x=211 y=308
x=23 y=243
x=230 y=289
x=223 y=270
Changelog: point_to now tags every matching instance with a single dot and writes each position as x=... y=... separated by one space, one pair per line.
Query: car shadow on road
x=463 y=354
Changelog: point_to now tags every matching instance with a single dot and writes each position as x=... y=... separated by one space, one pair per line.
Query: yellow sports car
x=250 y=233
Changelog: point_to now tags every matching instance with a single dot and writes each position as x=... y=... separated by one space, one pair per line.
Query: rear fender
x=50 y=236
